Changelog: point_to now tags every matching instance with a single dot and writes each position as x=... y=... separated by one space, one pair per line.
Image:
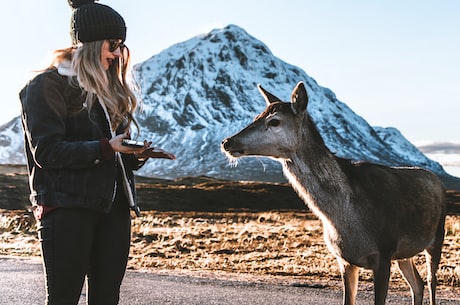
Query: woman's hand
x=117 y=146
x=141 y=153
x=155 y=152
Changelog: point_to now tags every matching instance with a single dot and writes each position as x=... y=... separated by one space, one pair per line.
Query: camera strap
x=126 y=184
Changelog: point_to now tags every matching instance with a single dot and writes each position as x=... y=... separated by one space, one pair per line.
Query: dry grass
x=257 y=243
x=260 y=243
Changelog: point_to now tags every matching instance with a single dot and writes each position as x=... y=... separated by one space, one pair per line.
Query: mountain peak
x=202 y=90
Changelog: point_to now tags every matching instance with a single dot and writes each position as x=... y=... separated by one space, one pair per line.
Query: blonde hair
x=114 y=86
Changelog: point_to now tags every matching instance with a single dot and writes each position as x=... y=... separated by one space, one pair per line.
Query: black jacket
x=63 y=146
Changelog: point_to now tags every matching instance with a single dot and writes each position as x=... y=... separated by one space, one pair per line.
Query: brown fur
x=371 y=214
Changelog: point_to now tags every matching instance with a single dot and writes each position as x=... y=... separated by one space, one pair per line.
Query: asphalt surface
x=22 y=283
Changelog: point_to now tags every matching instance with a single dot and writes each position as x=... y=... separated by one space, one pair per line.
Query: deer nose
x=225 y=143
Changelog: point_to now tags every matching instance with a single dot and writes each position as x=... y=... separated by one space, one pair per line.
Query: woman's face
x=111 y=50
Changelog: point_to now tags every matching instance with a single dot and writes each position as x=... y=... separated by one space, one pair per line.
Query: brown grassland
x=207 y=226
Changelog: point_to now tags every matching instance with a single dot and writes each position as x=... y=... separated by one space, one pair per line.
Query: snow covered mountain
x=12 y=142
x=200 y=91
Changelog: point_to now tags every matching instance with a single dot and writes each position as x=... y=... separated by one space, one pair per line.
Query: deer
x=371 y=214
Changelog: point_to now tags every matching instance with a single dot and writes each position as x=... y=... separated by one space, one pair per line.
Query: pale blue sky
x=396 y=63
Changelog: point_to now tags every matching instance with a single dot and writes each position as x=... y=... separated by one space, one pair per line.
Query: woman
x=75 y=116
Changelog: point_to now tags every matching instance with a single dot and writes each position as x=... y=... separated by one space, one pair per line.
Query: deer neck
x=317 y=177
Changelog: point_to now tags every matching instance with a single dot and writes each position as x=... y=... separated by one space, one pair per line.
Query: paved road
x=22 y=283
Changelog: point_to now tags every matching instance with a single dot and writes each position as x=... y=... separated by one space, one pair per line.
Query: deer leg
x=350 y=275
x=381 y=272
x=410 y=273
x=432 y=262
x=433 y=256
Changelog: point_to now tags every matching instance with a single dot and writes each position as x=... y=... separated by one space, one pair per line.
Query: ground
x=207 y=226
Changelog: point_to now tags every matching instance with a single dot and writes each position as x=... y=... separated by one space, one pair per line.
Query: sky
x=395 y=63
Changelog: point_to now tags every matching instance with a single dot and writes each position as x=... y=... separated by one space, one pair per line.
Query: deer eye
x=274 y=123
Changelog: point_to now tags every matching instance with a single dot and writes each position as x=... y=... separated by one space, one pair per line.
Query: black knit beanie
x=93 y=21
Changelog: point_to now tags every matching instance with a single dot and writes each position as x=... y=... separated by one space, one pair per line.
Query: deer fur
x=371 y=214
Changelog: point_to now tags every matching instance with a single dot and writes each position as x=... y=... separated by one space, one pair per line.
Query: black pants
x=77 y=243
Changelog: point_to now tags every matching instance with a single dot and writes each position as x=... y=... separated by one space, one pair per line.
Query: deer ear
x=299 y=99
x=269 y=98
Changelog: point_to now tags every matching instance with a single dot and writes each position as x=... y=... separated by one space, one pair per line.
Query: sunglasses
x=114 y=44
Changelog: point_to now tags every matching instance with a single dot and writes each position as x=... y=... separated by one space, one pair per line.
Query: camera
x=132 y=143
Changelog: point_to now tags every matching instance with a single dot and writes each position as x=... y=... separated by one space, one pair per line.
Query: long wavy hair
x=114 y=87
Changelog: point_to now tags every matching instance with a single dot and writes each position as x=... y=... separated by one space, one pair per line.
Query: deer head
x=273 y=133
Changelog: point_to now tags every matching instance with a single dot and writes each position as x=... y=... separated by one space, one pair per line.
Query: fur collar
x=65 y=68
